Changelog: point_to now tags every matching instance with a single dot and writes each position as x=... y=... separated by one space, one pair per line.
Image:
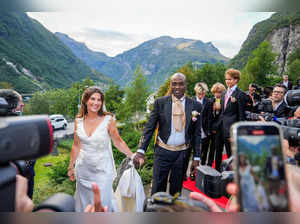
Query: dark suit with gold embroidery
x=166 y=161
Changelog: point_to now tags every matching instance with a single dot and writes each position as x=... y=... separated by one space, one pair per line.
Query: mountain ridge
x=32 y=58
x=158 y=58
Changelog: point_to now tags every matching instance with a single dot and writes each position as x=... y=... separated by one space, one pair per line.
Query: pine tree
x=113 y=98
x=136 y=95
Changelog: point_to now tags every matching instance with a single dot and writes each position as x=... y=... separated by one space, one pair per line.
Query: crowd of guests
x=229 y=105
x=199 y=126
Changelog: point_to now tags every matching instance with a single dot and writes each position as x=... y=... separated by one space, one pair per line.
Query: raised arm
x=117 y=140
x=74 y=153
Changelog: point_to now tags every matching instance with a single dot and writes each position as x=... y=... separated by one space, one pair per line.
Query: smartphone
x=259 y=167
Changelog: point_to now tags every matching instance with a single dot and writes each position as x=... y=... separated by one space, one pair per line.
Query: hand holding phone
x=259 y=166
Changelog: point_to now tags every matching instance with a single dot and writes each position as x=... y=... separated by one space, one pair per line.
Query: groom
x=177 y=133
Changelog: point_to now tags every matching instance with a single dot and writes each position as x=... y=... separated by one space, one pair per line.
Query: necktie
x=227 y=96
x=178 y=114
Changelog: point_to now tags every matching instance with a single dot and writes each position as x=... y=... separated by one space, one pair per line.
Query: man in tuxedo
x=201 y=90
x=286 y=82
x=178 y=130
x=233 y=103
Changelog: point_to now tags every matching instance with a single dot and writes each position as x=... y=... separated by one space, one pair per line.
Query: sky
x=115 y=26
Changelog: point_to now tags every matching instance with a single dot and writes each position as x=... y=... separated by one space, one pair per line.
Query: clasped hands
x=138 y=160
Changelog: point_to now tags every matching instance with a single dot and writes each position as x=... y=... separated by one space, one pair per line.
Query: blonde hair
x=86 y=96
x=201 y=87
x=217 y=87
x=234 y=73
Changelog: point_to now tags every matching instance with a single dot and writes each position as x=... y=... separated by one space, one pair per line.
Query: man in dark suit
x=280 y=109
x=206 y=115
x=234 y=103
x=179 y=128
x=286 y=82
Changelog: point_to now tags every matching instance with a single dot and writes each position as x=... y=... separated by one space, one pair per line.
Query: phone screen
x=261 y=173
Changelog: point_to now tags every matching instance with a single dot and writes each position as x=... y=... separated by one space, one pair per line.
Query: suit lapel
x=168 y=111
x=234 y=94
x=223 y=101
x=204 y=102
x=188 y=112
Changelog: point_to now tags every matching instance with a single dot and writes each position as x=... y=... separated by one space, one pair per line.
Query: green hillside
x=258 y=34
x=32 y=58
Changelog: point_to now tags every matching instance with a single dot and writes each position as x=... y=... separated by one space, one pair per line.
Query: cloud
x=115 y=28
x=106 y=34
x=108 y=41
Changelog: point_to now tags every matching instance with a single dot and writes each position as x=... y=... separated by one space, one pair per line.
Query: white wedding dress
x=95 y=163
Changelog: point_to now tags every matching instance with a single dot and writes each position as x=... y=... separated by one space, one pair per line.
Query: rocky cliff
x=284 y=41
x=281 y=30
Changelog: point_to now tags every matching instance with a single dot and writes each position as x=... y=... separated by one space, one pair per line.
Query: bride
x=91 y=151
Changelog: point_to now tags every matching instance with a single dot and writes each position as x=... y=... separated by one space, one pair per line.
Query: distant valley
x=158 y=58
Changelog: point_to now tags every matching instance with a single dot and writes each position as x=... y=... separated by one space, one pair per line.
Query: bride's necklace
x=92 y=120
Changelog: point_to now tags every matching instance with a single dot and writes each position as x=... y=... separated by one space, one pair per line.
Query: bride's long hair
x=86 y=96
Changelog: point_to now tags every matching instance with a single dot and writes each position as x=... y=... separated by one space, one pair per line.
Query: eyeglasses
x=278 y=92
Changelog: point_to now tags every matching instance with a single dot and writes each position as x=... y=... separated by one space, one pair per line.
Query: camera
x=255 y=117
x=20 y=139
x=24 y=138
x=264 y=109
x=257 y=94
x=292 y=98
x=265 y=106
x=164 y=202
x=212 y=182
x=291 y=130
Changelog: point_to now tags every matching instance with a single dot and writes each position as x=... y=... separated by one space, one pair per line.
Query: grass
x=44 y=187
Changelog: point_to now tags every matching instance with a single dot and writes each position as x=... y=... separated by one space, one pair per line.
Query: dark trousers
x=165 y=162
x=30 y=186
x=212 y=150
x=204 y=149
x=220 y=142
x=186 y=163
x=31 y=179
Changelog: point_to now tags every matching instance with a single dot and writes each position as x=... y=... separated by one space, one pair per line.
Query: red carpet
x=191 y=186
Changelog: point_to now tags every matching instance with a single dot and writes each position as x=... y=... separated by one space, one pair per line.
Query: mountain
x=92 y=58
x=32 y=58
x=246 y=144
x=281 y=30
x=158 y=58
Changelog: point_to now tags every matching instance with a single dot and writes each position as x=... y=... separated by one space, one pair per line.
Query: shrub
x=66 y=144
x=131 y=137
x=146 y=174
x=48 y=188
x=59 y=172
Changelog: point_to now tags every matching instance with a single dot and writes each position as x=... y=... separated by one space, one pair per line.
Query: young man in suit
x=233 y=103
x=201 y=90
x=179 y=129
x=286 y=82
x=217 y=90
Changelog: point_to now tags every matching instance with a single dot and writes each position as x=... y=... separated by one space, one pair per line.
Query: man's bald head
x=178 y=75
x=178 y=85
